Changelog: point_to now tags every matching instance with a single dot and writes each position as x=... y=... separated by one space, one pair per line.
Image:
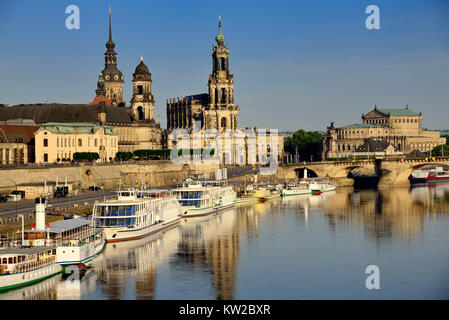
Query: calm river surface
x=303 y=247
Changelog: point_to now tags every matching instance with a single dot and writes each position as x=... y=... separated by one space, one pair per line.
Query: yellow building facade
x=55 y=141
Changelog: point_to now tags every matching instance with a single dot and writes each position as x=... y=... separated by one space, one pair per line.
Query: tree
x=437 y=150
x=306 y=143
x=89 y=156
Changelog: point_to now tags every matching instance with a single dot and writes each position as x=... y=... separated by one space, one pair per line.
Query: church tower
x=142 y=102
x=221 y=112
x=113 y=77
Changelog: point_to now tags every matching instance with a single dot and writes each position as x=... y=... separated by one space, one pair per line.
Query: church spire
x=110 y=32
x=100 y=86
x=220 y=37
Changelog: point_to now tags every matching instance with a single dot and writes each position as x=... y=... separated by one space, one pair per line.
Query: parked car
x=3 y=198
x=61 y=192
x=16 y=195
x=94 y=188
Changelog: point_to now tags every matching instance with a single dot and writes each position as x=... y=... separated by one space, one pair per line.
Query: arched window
x=140 y=113
x=223 y=122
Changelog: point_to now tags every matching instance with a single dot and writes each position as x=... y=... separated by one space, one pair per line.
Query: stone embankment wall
x=111 y=176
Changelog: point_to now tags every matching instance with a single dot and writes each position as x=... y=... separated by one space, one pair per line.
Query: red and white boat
x=437 y=174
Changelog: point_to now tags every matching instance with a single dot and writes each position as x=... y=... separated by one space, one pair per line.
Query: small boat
x=422 y=176
x=135 y=214
x=200 y=197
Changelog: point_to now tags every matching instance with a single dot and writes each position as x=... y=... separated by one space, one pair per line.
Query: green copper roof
x=220 y=37
x=70 y=128
x=361 y=125
x=398 y=112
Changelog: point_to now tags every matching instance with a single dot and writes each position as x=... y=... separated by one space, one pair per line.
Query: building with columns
x=402 y=128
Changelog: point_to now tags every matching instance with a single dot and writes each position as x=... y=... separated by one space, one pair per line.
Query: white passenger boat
x=135 y=214
x=294 y=189
x=24 y=266
x=80 y=252
x=320 y=184
x=35 y=257
x=203 y=197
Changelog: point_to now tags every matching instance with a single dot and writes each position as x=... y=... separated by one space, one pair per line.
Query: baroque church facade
x=217 y=110
x=135 y=126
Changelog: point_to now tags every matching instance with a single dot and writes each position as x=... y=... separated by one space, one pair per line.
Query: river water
x=303 y=247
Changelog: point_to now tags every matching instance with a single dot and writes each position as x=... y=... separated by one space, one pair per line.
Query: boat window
x=10 y=260
x=5 y=261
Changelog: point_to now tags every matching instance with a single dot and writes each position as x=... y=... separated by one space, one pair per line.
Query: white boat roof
x=24 y=251
x=63 y=225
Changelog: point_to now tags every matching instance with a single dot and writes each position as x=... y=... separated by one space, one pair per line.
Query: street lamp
x=45 y=185
x=16 y=191
x=76 y=183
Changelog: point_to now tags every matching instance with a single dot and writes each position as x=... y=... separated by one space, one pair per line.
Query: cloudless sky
x=296 y=64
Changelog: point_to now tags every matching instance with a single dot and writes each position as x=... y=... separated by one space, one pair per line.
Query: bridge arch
x=310 y=173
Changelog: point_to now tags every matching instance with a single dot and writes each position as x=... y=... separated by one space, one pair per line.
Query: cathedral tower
x=113 y=77
x=221 y=113
x=142 y=102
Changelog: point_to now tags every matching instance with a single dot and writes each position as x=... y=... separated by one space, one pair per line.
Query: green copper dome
x=220 y=37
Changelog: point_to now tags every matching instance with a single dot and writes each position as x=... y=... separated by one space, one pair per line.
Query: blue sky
x=296 y=64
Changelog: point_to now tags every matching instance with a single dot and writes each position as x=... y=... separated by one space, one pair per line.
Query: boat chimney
x=40 y=213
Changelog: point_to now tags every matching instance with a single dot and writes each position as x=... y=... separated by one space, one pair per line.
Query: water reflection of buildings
x=386 y=213
x=212 y=243
x=134 y=263
x=55 y=288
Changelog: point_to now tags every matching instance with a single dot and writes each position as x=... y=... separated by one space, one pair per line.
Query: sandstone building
x=55 y=141
x=402 y=128
x=135 y=125
x=215 y=109
x=17 y=143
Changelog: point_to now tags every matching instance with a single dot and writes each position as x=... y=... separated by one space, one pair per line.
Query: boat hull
x=79 y=255
x=128 y=234
x=428 y=180
x=21 y=279
x=201 y=212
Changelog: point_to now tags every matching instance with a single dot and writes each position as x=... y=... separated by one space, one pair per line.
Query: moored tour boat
x=437 y=174
x=135 y=214
x=321 y=184
x=80 y=252
x=200 y=197
x=293 y=189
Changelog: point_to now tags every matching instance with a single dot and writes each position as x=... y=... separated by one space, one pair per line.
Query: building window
x=45 y=157
x=57 y=142
x=80 y=142
x=45 y=142
x=139 y=89
x=95 y=142
x=223 y=95
x=223 y=122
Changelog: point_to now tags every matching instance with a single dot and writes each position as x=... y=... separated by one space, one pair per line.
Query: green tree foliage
x=152 y=154
x=307 y=143
x=437 y=150
x=123 y=155
x=89 y=156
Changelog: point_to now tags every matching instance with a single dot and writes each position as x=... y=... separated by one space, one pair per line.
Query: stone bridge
x=389 y=170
